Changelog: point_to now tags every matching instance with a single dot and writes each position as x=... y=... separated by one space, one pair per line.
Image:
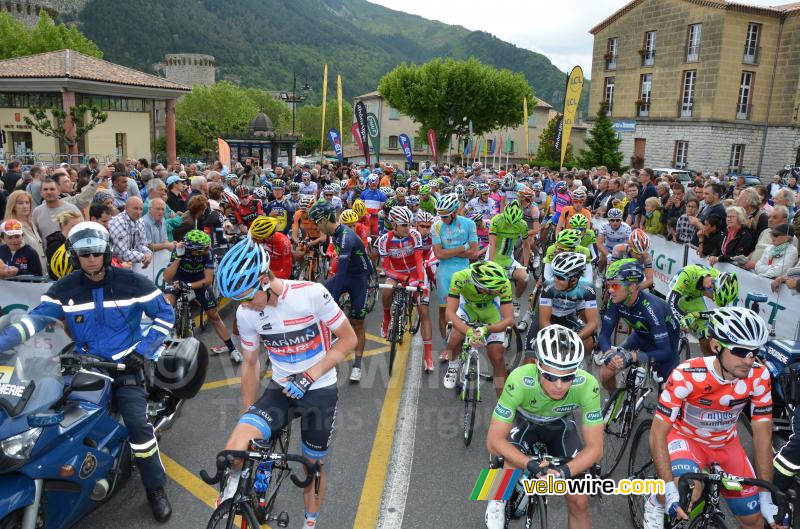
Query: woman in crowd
x=652 y=216
x=755 y=219
x=20 y=207
x=66 y=220
x=739 y=239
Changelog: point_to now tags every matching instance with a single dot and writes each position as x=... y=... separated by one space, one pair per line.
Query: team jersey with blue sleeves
x=460 y=232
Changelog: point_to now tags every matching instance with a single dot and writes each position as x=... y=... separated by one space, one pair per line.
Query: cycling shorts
x=688 y=455
x=570 y=321
x=204 y=297
x=511 y=267
x=489 y=313
x=444 y=276
x=356 y=287
x=665 y=361
x=559 y=436
x=317 y=412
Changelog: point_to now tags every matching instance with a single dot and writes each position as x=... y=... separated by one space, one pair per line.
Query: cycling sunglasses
x=740 y=352
x=563 y=277
x=552 y=377
x=424 y=226
x=404 y=225
x=614 y=220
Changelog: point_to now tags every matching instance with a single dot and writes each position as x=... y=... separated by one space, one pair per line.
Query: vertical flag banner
x=374 y=133
x=405 y=144
x=434 y=147
x=558 y=142
x=339 y=99
x=357 y=136
x=224 y=154
x=324 y=100
x=467 y=148
x=525 y=124
x=336 y=140
x=361 y=120
x=571 y=99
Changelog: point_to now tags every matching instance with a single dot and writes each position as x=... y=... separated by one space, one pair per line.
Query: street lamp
x=295 y=98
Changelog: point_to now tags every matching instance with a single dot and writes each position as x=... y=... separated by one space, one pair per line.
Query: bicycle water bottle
x=640 y=374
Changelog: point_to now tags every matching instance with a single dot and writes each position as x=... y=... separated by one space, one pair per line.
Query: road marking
x=370 y=502
x=190 y=481
x=374 y=338
x=395 y=491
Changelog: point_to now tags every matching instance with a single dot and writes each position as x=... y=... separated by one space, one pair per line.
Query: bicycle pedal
x=283 y=519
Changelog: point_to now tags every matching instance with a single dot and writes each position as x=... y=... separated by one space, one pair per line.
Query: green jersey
x=507 y=236
x=688 y=282
x=589 y=238
x=461 y=286
x=428 y=205
x=552 y=250
x=524 y=395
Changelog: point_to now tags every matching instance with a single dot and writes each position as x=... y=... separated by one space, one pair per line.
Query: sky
x=558 y=29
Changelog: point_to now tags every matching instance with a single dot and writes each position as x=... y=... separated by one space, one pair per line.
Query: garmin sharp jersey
x=565 y=303
x=649 y=318
x=507 y=235
x=614 y=237
x=192 y=267
x=460 y=232
x=703 y=406
x=461 y=286
x=523 y=394
x=296 y=332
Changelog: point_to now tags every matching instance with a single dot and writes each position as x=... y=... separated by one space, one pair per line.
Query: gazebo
x=262 y=143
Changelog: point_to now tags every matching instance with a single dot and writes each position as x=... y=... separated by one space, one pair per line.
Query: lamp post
x=295 y=98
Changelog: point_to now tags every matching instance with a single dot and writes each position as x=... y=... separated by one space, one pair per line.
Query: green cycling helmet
x=566 y=238
x=578 y=221
x=488 y=275
x=425 y=189
x=726 y=288
x=513 y=213
x=196 y=240
x=626 y=271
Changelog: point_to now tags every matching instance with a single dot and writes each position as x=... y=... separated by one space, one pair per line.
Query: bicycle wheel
x=618 y=420
x=684 y=351
x=537 y=510
x=372 y=292
x=184 y=323
x=715 y=521
x=640 y=466
x=220 y=516
x=414 y=320
x=470 y=397
x=518 y=343
x=394 y=334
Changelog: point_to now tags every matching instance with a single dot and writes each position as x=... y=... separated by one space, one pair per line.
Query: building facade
x=393 y=123
x=701 y=84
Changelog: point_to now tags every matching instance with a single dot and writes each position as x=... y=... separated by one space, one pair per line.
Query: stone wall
x=27 y=10
x=190 y=68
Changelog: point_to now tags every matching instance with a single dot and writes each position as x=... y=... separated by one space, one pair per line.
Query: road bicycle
x=404 y=317
x=184 y=323
x=315 y=264
x=470 y=375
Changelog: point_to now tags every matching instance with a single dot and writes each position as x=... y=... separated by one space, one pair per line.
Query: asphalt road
x=397 y=458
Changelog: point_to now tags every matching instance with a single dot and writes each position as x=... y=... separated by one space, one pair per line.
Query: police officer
x=103 y=307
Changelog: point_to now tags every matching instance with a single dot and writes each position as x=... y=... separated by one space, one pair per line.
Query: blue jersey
x=460 y=232
x=373 y=199
x=285 y=211
x=352 y=259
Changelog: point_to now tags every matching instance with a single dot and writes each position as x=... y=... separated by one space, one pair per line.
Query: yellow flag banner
x=525 y=124
x=571 y=99
x=324 y=99
x=339 y=98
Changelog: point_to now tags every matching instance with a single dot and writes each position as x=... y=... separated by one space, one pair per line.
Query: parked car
x=683 y=176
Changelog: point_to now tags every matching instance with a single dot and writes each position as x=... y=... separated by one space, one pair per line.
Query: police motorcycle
x=63 y=451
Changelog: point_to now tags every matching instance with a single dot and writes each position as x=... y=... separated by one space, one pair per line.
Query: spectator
x=12 y=175
x=192 y=218
x=775 y=186
x=44 y=215
x=175 y=188
x=710 y=237
x=780 y=256
x=101 y=213
x=631 y=204
x=66 y=187
x=664 y=195
x=199 y=186
x=35 y=185
x=739 y=240
x=155 y=227
x=755 y=219
x=19 y=207
x=791 y=184
x=785 y=197
x=685 y=230
x=91 y=170
x=778 y=216
x=119 y=190
x=712 y=194
x=128 y=238
x=651 y=219
x=66 y=220
x=766 y=207
x=17 y=257
x=675 y=207
x=647 y=180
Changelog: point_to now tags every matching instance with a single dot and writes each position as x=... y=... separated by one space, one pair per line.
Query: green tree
x=308 y=120
x=602 y=143
x=441 y=93
x=546 y=151
x=17 y=40
x=277 y=110
x=55 y=124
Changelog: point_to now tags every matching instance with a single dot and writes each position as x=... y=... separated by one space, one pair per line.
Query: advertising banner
x=405 y=144
x=571 y=100
x=434 y=147
x=374 y=133
x=361 y=121
x=336 y=141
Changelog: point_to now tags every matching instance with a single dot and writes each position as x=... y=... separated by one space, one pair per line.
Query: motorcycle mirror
x=47 y=418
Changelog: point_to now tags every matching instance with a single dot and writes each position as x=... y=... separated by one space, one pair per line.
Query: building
x=28 y=11
x=66 y=78
x=261 y=143
x=708 y=85
x=190 y=69
x=393 y=123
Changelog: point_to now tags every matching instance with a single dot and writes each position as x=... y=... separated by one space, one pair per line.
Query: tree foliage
x=602 y=143
x=278 y=111
x=309 y=120
x=55 y=124
x=546 y=153
x=17 y=40
x=440 y=94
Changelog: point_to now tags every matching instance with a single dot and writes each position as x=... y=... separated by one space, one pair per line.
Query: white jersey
x=296 y=332
x=614 y=237
x=488 y=208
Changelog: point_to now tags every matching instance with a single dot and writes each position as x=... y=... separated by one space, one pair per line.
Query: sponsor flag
x=558 y=142
x=495 y=484
x=357 y=136
x=374 y=133
x=434 y=147
x=324 y=101
x=224 y=154
x=361 y=120
x=336 y=141
x=477 y=148
x=405 y=143
x=495 y=146
x=507 y=146
x=525 y=123
x=571 y=99
x=339 y=99
x=467 y=148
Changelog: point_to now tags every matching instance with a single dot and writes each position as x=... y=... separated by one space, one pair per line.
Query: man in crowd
x=12 y=175
x=44 y=214
x=128 y=236
x=156 y=227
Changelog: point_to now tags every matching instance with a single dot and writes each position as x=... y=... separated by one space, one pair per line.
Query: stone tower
x=28 y=10
x=190 y=68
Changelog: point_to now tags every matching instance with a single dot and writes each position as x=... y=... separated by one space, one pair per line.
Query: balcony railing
x=643 y=108
x=693 y=54
x=685 y=108
x=751 y=54
x=744 y=111
x=611 y=63
x=648 y=56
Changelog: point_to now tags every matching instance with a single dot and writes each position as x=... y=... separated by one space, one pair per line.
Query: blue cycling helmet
x=239 y=271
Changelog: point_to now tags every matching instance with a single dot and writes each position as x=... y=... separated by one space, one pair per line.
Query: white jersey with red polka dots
x=296 y=332
x=703 y=406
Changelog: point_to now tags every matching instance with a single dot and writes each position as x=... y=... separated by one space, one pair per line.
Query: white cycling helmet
x=579 y=194
x=559 y=347
x=569 y=264
x=738 y=327
x=615 y=213
x=401 y=215
x=424 y=216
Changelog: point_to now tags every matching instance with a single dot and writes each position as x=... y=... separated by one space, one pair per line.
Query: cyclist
x=537 y=406
x=352 y=273
x=282 y=208
x=580 y=223
x=482 y=229
x=191 y=267
x=504 y=232
x=248 y=208
x=530 y=211
x=610 y=234
x=655 y=333
x=402 y=260
x=264 y=230
x=509 y=188
x=696 y=416
x=567 y=300
x=479 y=294
x=373 y=199
x=426 y=201
x=311 y=236
x=350 y=219
x=566 y=241
x=304 y=376
x=424 y=224
x=307 y=186
x=412 y=203
x=578 y=200
x=686 y=292
x=455 y=242
x=637 y=247
x=329 y=194
x=561 y=199
x=483 y=203
x=293 y=199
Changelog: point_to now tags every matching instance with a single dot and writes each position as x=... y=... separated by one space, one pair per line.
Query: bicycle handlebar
x=779 y=496
x=226 y=458
x=397 y=286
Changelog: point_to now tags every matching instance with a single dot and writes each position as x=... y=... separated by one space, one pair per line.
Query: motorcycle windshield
x=30 y=373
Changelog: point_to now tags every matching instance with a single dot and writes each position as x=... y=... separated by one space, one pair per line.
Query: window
x=393 y=142
x=693 y=43
x=611 y=53
x=513 y=146
x=737 y=158
x=687 y=99
x=121 y=142
x=608 y=94
x=25 y=100
x=394 y=113
x=681 y=158
x=117 y=104
x=643 y=105
x=751 y=47
x=419 y=145
x=649 y=50
x=743 y=106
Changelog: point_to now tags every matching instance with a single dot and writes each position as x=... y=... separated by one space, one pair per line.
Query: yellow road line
x=374 y=338
x=190 y=481
x=370 y=502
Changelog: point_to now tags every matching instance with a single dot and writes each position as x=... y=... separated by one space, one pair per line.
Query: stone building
x=190 y=69
x=708 y=85
x=28 y=10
